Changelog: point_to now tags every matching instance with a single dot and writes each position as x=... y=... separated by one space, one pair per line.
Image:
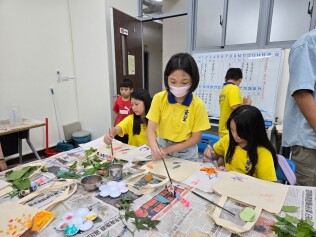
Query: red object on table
x=48 y=151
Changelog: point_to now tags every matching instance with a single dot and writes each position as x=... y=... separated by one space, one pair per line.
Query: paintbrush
x=164 y=163
x=171 y=184
x=111 y=144
x=163 y=160
x=204 y=198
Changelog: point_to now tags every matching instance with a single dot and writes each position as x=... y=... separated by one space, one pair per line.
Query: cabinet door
x=290 y=20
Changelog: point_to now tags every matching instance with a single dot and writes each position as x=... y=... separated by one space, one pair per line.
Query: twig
x=204 y=198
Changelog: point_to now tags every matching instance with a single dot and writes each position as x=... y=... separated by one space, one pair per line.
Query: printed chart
x=261 y=73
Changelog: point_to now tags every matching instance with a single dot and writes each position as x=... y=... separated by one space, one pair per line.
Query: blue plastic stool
x=206 y=140
x=80 y=137
x=279 y=172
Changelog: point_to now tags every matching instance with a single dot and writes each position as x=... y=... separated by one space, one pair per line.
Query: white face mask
x=179 y=91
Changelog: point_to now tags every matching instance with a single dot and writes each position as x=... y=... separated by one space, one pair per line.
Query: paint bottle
x=15 y=115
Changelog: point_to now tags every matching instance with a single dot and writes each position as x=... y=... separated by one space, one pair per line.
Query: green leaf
x=280 y=223
x=22 y=184
x=90 y=171
x=177 y=166
x=22 y=173
x=86 y=163
x=73 y=166
x=279 y=218
x=289 y=209
x=130 y=214
x=127 y=199
x=291 y=219
x=90 y=151
x=303 y=231
x=96 y=159
x=125 y=205
x=152 y=223
x=309 y=222
x=68 y=175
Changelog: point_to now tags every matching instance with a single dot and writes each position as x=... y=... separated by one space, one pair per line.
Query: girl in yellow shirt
x=246 y=149
x=134 y=125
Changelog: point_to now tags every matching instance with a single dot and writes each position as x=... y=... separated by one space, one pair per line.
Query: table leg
x=33 y=148
x=26 y=135
x=20 y=149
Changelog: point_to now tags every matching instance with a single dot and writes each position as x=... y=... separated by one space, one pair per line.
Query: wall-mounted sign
x=123 y=31
x=131 y=64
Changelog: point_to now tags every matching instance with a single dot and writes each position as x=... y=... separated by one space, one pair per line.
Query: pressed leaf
x=289 y=209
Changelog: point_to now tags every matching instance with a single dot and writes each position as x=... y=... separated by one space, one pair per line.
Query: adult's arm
x=305 y=102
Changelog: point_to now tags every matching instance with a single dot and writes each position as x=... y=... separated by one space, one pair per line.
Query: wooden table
x=23 y=132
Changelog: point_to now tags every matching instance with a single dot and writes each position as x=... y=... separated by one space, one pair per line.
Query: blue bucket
x=81 y=137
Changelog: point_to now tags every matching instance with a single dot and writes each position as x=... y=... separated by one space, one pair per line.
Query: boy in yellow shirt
x=230 y=98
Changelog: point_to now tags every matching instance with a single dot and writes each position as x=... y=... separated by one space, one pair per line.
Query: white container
x=15 y=115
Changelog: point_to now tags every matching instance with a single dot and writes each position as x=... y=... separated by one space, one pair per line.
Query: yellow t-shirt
x=176 y=122
x=229 y=97
x=127 y=128
x=241 y=163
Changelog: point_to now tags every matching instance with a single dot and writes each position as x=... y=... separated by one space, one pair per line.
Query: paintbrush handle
x=204 y=198
x=111 y=144
x=163 y=160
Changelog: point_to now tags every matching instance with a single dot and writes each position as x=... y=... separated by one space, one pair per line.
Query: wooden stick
x=111 y=145
x=204 y=198
x=163 y=160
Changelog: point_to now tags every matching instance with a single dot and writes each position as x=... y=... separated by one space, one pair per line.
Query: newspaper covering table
x=176 y=219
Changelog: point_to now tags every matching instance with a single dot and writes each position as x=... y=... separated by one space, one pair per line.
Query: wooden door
x=128 y=43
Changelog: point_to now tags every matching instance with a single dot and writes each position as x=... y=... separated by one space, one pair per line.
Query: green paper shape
x=247 y=214
x=289 y=209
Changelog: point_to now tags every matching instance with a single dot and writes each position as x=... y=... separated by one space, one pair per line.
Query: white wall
x=35 y=42
x=174 y=37
x=152 y=32
x=39 y=37
x=91 y=28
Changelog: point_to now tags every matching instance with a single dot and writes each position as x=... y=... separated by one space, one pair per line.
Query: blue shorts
x=190 y=153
